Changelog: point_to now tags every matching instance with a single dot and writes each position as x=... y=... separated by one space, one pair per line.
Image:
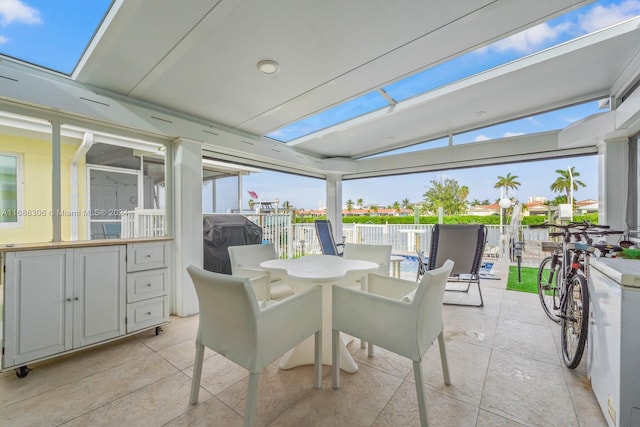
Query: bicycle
x=562 y=282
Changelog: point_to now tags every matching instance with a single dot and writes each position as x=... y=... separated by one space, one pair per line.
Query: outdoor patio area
x=504 y=359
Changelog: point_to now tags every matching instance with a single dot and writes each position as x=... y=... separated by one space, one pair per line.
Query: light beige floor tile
x=518 y=388
x=56 y=372
x=182 y=355
x=179 y=329
x=468 y=366
x=209 y=413
x=77 y=398
x=358 y=402
x=218 y=373
x=524 y=307
x=526 y=339
x=402 y=409
x=382 y=359
x=487 y=419
x=153 y=405
x=470 y=326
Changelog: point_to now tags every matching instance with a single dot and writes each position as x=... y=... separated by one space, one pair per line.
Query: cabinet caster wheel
x=22 y=371
x=158 y=330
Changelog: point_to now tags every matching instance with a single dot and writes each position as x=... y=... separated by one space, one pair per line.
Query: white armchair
x=398 y=315
x=380 y=254
x=233 y=324
x=245 y=262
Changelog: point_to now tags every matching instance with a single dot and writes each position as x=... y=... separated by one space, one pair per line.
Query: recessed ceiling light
x=478 y=114
x=268 y=66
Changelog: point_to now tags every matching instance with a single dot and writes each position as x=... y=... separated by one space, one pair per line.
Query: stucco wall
x=36 y=190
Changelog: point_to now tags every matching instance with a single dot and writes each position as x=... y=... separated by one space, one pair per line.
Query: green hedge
x=451 y=219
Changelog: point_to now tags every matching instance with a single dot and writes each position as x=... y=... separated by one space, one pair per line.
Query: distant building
x=540 y=199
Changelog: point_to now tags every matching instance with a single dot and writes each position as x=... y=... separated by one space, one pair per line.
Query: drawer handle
x=147 y=256
x=69 y=299
x=148 y=313
x=149 y=284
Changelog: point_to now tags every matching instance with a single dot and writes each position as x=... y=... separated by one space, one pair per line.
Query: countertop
x=623 y=271
x=77 y=244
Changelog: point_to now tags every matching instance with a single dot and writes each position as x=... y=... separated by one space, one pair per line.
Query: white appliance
x=614 y=339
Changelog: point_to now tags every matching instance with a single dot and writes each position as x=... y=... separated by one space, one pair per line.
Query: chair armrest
x=260 y=280
x=395 y=326
x=390 y=287
x=284 y=324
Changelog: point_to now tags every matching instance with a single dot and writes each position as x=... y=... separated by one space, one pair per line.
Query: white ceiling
x=201 y=61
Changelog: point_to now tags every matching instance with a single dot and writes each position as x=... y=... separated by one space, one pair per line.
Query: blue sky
x=54 y=34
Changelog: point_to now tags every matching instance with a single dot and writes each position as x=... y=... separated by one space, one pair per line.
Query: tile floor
x=504 y=361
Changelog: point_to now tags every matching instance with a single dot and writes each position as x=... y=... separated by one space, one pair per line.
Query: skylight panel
x=569 y=26
x=49 y=34
x=356 y=107
x=576 y=23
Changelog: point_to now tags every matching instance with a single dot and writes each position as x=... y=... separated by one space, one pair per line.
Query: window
x=10 y=189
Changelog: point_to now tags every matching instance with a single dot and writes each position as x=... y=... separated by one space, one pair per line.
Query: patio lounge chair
x=463 y=244
x=328 y=244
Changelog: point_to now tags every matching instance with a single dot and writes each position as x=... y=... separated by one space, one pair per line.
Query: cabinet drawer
x=147 y=256
x=146 y=284
x=147 y=313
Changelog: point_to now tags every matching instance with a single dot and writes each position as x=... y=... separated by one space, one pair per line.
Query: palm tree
x=286 y=206
x=562 y=184
x=396 y=206
x=360 y=203
x=349 y=205
x=507 y=182
x=406 y=204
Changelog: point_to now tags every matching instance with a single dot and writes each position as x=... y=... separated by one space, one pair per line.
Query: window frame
x=19 y=190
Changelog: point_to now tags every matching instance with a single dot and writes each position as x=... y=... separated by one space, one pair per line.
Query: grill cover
x=221 y=231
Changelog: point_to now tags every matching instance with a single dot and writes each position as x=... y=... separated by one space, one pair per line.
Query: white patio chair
x=233 y=324
x=245 y=261
x=398 y=315
x=380 y=254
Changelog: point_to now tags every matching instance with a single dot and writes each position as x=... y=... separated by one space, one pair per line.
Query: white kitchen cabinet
x=79 y=294
x=147 y=285
x=614 y=341
x=38 y=316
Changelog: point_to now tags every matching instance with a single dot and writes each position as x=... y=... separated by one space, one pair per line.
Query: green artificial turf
x=529 y=279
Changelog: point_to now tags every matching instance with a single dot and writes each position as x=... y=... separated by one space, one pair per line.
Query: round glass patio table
x=324 y=270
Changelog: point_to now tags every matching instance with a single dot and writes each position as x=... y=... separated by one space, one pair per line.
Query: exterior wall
x=37 y=224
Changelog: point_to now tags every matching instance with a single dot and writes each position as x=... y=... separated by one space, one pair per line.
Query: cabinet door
x=99 y=294
x=38 y=305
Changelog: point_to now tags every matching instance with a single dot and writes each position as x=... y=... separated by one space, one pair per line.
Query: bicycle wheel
x=575 y=321
x=548 y=289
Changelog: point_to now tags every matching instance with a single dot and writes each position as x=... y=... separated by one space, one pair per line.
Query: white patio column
x=187 y=225
x=613 y=171
x=334 y=204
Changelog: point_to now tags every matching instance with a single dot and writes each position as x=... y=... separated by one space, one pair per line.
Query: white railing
x=295 y=240
x=278 y=229
x=143 y=223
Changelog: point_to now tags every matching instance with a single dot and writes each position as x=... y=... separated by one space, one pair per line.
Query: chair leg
x=335 y=359
x=197 y=374
x=317 y=366
x=252 y=394
x=443 y=359
x=370 y=348
x=363 y=288
x=422 y=407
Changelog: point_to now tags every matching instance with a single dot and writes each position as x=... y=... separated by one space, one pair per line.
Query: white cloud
x=17 y=11
x=603 y=16
x=508 y=134
x=532 y=39
x=481 y=138
x=3 y=39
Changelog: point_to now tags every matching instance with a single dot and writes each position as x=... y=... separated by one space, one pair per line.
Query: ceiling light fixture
x=268 y=66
